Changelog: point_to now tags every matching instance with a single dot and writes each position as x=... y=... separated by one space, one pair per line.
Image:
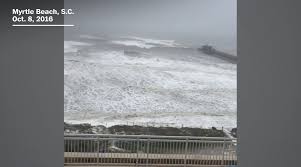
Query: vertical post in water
x=186 y=150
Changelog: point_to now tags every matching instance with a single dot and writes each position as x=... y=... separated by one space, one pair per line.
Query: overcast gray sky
x=194 y=21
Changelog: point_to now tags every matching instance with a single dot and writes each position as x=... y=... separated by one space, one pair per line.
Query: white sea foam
x=90 y=37
x=72 y=46
x=167 y=43
x=139 y=44
x=109 y=87
x=146 y=43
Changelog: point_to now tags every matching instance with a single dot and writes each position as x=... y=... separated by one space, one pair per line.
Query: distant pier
x=209 y=50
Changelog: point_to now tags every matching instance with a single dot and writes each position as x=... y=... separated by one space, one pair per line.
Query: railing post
x=98 y=148
x=147 y=151
x=186 y=150
x=223 y=157
x=137 y=158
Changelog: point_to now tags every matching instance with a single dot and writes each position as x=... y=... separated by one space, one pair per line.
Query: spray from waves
x=109 y=86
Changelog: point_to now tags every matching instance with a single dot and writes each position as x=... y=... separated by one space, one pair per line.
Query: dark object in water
x=210 y=50
x=131 y=53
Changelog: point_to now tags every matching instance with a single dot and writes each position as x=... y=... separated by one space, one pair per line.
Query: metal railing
x=146 y=150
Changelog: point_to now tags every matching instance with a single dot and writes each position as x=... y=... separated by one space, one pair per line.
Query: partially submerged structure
x=210 y=50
